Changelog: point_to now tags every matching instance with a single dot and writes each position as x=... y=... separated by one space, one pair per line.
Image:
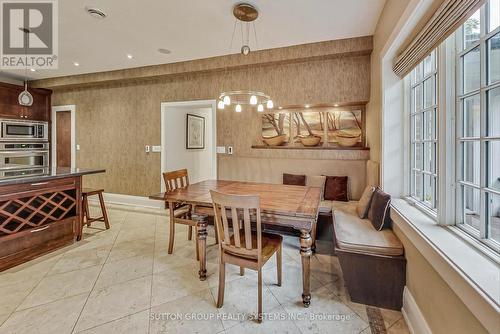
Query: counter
x=40 y=213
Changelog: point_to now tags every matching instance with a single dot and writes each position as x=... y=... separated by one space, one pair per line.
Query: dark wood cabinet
x=10 y=108
x=38 y=217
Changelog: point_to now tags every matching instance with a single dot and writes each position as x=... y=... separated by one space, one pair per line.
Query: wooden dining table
x=282 y=206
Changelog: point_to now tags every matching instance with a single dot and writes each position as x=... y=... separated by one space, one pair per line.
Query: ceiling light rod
x=246 y=14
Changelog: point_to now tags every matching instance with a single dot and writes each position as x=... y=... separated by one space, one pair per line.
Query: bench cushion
x=355 y=234
x=328 y=206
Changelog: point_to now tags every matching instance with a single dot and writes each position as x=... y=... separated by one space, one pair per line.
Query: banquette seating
x=372 y=261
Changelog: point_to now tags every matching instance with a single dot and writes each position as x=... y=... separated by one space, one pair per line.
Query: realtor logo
x=29 y=36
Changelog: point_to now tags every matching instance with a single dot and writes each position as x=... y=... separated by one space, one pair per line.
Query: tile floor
x=123 y=281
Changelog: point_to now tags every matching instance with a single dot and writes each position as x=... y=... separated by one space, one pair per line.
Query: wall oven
x=23 y=156
x=12 y=130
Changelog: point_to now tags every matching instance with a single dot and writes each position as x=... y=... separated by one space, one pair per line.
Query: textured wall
x=115 y=119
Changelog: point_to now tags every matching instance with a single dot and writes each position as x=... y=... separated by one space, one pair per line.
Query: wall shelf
x=318 y=148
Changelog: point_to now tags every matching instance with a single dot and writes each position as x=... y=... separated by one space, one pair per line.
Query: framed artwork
x=195 y=132
x=322 y=127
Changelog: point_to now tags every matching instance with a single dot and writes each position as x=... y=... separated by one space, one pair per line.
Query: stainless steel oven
x=13 y=130
x=22 y=156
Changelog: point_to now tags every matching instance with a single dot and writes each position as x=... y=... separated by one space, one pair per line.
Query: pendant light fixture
x=25 y=98
x=245 y=15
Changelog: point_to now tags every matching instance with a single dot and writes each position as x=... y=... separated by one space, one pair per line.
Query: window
x=423 y=134
x=463 y=124
x=478 y=124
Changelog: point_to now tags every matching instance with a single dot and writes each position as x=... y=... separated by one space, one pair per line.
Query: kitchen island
x=40 y=213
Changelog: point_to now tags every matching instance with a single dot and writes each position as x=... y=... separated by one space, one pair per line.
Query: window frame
x=483 y=138
x=449 y=125
x=410 y=141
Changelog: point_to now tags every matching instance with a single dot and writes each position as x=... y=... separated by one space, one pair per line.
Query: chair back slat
x=225 y=226
x=247 y=224
x=176 y=179
x=236 y=227
x=238 y=207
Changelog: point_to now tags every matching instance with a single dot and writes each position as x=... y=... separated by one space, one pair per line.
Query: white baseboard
x=130 y=200
x=413 y=317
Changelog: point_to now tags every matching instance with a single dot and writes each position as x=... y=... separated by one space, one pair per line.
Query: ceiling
x=193 y=29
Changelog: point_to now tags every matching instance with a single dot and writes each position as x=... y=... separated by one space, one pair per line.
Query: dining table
x=282 y=207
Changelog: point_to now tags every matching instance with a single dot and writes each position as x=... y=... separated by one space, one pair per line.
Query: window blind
x=447 y=18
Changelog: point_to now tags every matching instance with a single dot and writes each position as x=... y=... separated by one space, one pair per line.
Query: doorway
x=63 y=136
x=201 y=162
x=63 y=139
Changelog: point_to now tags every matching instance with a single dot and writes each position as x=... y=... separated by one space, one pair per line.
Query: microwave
x=12 y=130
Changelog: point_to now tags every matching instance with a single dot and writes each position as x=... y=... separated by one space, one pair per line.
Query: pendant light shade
x=227 y=100
x=270 y=104
x=238 y=108
x=221 y=105
x=253 y=100
x=260 y=108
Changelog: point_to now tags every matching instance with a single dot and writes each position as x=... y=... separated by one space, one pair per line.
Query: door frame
x=164 y=107
x=55 y=109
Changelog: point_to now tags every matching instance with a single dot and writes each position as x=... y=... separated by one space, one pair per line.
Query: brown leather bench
x=372 y=262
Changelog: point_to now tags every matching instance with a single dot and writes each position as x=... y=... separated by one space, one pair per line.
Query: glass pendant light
x=227 y=100
x=270 y=104
x=220 y=105
x=260 y=108
x=238 y=108
x=253 y=100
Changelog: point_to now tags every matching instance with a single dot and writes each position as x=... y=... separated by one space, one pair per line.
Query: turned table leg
x=201 y=239
x=306 y=252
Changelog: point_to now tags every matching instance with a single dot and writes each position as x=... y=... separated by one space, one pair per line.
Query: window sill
x=473 y=276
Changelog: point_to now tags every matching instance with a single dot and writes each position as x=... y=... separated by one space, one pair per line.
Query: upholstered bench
x=372 y=262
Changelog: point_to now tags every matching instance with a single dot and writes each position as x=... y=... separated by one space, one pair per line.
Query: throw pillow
x=380 y=209
x=294 y=180
x=336 y=188
x=364 y=202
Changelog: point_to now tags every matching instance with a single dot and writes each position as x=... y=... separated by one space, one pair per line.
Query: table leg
x=313 y=236
x=201 y=239
x=306 y=252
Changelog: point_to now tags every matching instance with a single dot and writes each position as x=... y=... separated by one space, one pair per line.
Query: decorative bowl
x=346 y=141
x=310 y=141
x=275 y=141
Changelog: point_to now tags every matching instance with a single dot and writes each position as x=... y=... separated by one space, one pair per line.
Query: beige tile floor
x=123 y=281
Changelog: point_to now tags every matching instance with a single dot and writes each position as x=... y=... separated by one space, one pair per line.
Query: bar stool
x=86 y=213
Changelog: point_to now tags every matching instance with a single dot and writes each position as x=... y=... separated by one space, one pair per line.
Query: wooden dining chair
x=179 y=214
x=238 y=244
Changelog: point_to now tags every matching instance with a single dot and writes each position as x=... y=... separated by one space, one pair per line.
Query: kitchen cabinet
x=10 y=108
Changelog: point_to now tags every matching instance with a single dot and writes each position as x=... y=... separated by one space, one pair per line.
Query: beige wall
x=391 y=14
x=443 y=310
x=116 y=118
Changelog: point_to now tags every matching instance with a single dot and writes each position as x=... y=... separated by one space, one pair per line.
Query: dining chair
x=238 y=244
x=179 y=213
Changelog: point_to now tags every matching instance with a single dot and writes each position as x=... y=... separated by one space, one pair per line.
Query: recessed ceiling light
x=307 y=106
x=32 y=70
x=76 y=64
x=164 y=51
x=129 y=56
x=335 y=105
x=280 y=108
x=96 y=13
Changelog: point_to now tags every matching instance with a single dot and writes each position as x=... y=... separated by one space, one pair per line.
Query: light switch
x=147 y=149
x=77 y=147
x=221 y=149
x=229 y=150
x=156 y=148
